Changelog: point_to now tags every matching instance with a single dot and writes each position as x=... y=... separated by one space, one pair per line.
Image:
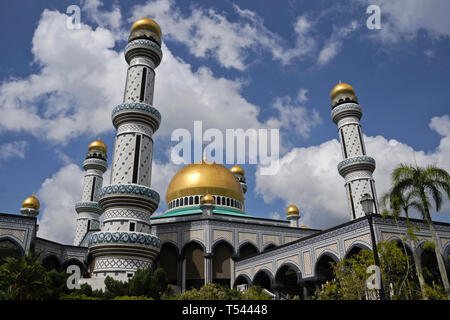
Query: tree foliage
x=350 y=276
x=214 y=291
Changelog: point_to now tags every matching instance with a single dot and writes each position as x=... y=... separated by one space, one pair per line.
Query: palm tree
x=421 y=184
x=397 y=202
x=22 y=278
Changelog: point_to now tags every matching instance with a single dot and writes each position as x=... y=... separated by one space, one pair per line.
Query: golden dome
x=341 y=88
x=146 y=24
x=292 y=210
x=31 y=203
x=304 y=227
x=207 y=199
x=98 y=145
x=203 y=178
x=237 y=170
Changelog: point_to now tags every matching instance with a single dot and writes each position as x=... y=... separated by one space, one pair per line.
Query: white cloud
x=13 y=149
x=112 y=19
x=208 y=33
x=80 y=80
x=57 y=196
x=335 y=43
x=308 y=177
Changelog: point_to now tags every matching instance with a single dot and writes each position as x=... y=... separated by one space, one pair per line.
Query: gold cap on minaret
x=292 y=210
x=146 y=24
x=31 y=203
x=341 y=88
x=237 y=170
x=98 y=145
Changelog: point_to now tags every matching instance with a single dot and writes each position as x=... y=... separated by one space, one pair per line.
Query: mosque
x=206 y=235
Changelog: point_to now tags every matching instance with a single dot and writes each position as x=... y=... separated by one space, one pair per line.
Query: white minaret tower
x=88 y=209
x=357 y=167
x=125 y=243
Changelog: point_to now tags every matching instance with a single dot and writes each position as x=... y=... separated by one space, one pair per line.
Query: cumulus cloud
x=13 y=149
x=80 y=79
x=57 y=196
x=208 y=33
x=308 y=177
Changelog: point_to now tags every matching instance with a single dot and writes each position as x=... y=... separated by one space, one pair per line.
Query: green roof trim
x=196 y=209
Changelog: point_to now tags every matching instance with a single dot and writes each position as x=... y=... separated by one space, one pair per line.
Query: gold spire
x=31 y=203
x=98 y=145
x=146 y=24
x=237 y=170
x=341 y=88
x=207 y=199
x=292 y=210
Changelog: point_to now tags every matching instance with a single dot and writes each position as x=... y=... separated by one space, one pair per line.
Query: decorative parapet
x=136 y=112
x=145 y=48
x=346 y=110
x=129 y=189
x=88 y=206
x=356 y=163
x=124 y=237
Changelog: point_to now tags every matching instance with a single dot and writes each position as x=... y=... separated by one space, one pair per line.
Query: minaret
x=357 y=167
x=30 y=206
x=239 y=173
x=88 y=209
x=125 y=243
x=293 y=215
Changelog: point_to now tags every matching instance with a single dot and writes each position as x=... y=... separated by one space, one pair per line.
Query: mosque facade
x=206 y=234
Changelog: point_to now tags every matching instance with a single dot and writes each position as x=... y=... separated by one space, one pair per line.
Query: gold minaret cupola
x=342 y=93
x=30 y=206
x=293 y=215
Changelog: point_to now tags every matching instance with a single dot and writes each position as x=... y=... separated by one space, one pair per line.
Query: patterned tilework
x=218 y=234
x=307 y=262
x=267 y=265
x=352 y=140
x=332 y=247
x=270 y=238
x=293 y=258
x=248 y=236
x=363 y=238
x=133 y=85
x=145 y=161
x=194 y=234
x=122 y=264
x=126 y=213
x=122 y=169
x=18 y=234
x=168 y=236
x=288 y=239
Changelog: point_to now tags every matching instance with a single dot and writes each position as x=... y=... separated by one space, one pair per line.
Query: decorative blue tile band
x=129 y=189
x=346 y=106
x=138 y=107
x=124 y=237
x=89 y=204
x=356 y=160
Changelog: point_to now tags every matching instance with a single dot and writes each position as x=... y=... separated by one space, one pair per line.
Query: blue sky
x=246 y=64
